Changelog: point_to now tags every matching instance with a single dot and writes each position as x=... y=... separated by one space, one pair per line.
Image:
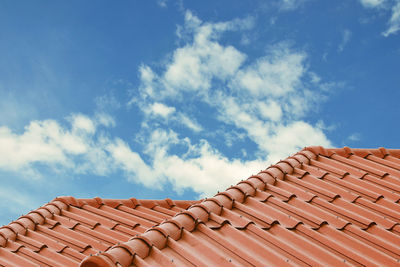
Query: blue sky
x=180 y=99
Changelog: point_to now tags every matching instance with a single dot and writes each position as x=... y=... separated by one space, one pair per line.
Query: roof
x=317 y=207
x=66 y=230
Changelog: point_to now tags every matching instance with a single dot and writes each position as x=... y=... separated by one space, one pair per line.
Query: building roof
x=66 y=230
x=317 y=207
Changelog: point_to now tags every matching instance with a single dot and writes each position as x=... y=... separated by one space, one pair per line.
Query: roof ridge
x=131 y=202
x=30 y=220
x=123 y=254
x=347 y=151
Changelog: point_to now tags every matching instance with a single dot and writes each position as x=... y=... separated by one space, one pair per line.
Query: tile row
x=66 y=230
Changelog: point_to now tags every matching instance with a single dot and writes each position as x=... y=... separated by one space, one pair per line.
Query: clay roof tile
x=321 y=206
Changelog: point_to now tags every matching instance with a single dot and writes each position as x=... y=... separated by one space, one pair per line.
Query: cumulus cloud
x=131 y=162
x=49 y=143
x=193 y=66
x=215 y=92
x=266 y=98
x=201 y=167
x=161 y=110
x=205 y=172
x=79 y=148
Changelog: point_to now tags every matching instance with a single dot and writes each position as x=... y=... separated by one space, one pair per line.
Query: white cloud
x=270 y=110
x=41 y=141
x=207 y=172
x=162 y=3
x=107 y=102
x=48 y=143
x=291 y=4
x=147 y=77
x=275 y=139
x=169 y=115
x=265 y=98
x=105 y=119
x=161 y=110
x=193 y=66
x=82 y=123
x=394 y=5
x=132 y=163
x=293 y=137
x=354 y=137
x=394 y=22
x=372 y=3
x=190 y=123
x=261 y=103
x=274 y=75
x=201 y=168
x=346 y=35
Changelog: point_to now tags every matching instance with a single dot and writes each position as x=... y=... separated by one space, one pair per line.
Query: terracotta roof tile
x=66 y=230
x=318 y=207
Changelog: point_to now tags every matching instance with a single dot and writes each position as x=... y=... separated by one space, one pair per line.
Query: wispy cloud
x=190 y=123
x=354 y=137
x=166 y=115
x=291 y=4
x=394 y=22
x=346 y=35
x=162 y=3
x=394 y=6
x=18 y=110
x=372 y=3
x=15 y=202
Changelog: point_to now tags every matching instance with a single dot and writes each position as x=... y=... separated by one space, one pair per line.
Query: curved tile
x=319 y=207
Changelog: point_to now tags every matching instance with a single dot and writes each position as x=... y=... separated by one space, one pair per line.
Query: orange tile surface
x=319 y=207
x=66 y=230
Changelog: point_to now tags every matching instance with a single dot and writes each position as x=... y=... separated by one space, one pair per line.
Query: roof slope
x=66 y=230
x=318 y=207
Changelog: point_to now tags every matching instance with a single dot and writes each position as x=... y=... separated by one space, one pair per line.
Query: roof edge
x=30 y=220
x=39 y=216
x=123 y=254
